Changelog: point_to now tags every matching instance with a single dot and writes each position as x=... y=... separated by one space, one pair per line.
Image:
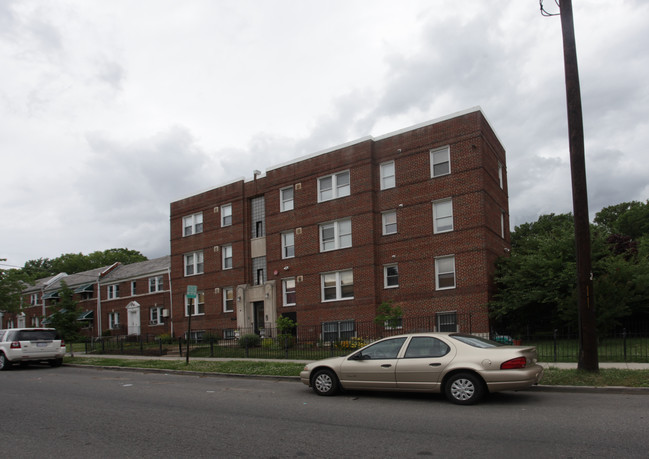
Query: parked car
x=30 y=345
x=463 y=367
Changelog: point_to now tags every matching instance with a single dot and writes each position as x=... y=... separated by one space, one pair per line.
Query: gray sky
x=110 y=110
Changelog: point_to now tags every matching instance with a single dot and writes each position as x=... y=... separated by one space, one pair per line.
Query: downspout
x=98 y=306
x=171 y=304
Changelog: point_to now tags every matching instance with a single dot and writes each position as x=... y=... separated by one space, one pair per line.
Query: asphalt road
x=83 y=412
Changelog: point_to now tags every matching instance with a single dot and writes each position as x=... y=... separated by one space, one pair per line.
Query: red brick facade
x=476 y=187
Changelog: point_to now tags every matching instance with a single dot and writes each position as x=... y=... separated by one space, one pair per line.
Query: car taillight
x=62 y=343
x=15 y=345
x=518 y=362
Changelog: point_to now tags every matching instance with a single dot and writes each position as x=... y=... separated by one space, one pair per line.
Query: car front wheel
x=324 y=382
x=464 y=389
x=5 y=364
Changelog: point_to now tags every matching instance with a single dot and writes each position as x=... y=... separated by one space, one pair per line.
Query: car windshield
x=35 y=335
x=476 y=341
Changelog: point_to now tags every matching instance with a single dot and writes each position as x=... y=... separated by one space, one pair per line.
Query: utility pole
x=588 y=359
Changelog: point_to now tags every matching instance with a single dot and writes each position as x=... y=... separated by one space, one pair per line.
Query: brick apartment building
x=133 y=299
x=416 y=217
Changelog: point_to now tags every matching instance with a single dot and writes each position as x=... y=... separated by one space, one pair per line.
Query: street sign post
x=192 y=292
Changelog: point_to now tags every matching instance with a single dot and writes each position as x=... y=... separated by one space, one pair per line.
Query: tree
x=12 y=283
x=66 y=314
x=388 y=315
x=71 y=263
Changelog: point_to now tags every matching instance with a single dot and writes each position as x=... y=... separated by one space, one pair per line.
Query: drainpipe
x=98 y=306
x=171 y=304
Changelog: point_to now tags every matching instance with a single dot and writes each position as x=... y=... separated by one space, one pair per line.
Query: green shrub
x=250 y=340
x=268 y=343
x=165 y=338
x=285 y=341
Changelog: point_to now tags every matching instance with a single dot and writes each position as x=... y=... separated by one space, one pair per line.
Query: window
x=335 y=331
x=286 y=199
x=440 y=161
x=227 y=256
x=387 y=349
x=389 y=222
x=226 y=215
x=288 y=244
x=288 y=291
x=133 y=288
x=155 y=284
x=193 y=263
x=447 y=322
x=426 y=347
x=113 y=291
x=500 y=174
x=336 y=235
x=387 y=175
x=443 y=216
x=229 y=333
x=333 y=186
x=33 y=299
x=193 y=224
x=445 y=273
x=228 y=299
x=390 y=276
x=155 y=316
x=195 y=305
x=113 y=320
x=337 y=285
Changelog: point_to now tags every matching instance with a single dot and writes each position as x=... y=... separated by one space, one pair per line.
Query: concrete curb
x=539 y=388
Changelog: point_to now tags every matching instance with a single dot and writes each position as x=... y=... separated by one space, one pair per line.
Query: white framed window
x=445 y=272
x=193 y=263
x=388 y=179
x=195 y=305
x=500 y=174
x=133 y=288
x=389 y=222
x=338 y=330
x=155 y=284
x=443 y=216
x=333 y=186
x=33 y=299
x=338 y=285
x=193 y=224
x=226 y=252
x=440 y=161
x=288 y=291
x=113 y=291
x=286 y=199
x=155 y=315
x=336 y=235
x=113 y=320
x=226 y=215
x=228 y=299
x=391 y=276
x=288 y=244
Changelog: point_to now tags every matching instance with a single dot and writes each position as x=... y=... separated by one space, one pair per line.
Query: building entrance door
x=258 y=307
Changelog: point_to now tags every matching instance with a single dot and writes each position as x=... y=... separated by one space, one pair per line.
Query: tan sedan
x=463 y=367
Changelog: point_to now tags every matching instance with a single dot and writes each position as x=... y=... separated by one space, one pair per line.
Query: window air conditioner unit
x=165 y=313
x=153 y=322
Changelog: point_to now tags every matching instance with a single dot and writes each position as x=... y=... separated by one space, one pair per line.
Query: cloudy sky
x=110 y=110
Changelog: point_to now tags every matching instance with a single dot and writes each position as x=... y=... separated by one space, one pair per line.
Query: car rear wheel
x=324 y=382
x=56 y=362
x=5 y=364
x=464 y=389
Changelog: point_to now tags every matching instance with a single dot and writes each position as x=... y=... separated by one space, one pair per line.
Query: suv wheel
x=5 y=364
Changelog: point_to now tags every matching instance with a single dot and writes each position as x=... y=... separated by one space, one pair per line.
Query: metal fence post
x=180 y=345
x=555 y=345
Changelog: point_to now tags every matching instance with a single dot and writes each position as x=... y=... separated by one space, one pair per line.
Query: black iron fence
x=340 y=338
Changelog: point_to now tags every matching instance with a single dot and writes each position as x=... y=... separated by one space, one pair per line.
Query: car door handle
x=434 y=364
x=386 y=365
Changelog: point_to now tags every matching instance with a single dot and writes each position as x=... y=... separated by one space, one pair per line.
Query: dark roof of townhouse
x=142 y=268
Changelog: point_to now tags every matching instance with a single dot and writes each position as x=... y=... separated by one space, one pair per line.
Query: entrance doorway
x=258 y=308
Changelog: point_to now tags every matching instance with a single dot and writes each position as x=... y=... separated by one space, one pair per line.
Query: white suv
x=30 y=345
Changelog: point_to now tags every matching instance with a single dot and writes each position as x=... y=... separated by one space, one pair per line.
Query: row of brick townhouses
x=417 y=217
x=133 y=299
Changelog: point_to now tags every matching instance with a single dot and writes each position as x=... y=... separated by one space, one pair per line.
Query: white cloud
x=111 y=110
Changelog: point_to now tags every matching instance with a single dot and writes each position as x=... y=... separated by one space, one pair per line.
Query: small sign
x=192 y=290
